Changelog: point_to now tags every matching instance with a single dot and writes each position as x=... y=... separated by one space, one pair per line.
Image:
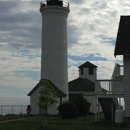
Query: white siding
x=91 y=100
x=54 y=46
x=34 y=99
x=126 y=61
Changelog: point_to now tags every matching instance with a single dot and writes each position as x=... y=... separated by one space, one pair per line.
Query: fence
x=109 y=87
x=7 y=109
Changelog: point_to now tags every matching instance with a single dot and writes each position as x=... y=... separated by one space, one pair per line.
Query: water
x=13 y=105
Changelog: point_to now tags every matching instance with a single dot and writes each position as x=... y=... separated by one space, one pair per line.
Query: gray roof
x=59 y=93
x=81 y=84
x=87 y=64
x=123 y=37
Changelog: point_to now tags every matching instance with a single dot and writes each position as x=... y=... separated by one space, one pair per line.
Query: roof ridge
x=87 y=64
x=53 y=85
x=89 y=83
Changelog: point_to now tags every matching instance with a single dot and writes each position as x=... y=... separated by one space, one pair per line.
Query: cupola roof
x=87 y=64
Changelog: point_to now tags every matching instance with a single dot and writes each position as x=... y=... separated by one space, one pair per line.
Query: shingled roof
x=123 y=37
x=87 y=64
x=81 y=84
x=59 y=93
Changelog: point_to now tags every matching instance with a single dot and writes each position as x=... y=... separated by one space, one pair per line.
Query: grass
x=12 y=116
x=56 y=123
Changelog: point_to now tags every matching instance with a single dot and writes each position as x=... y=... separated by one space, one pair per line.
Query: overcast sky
x=92 y=31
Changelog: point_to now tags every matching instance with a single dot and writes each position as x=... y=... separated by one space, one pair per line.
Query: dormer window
x=82 y=71
x=90 y=70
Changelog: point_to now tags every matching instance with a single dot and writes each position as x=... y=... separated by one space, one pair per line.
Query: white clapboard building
x=118 y=87
x=85 y=84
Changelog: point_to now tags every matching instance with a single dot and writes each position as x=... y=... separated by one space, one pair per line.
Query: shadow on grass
x=109 y=123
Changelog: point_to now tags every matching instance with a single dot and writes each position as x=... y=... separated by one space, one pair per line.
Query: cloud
x=92 y=31
x=77 y=2
x=18 y=82
x=72 y=73
x=18 y=25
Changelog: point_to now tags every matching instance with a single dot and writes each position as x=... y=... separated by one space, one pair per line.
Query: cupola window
x=90 y=71
x=82 y=71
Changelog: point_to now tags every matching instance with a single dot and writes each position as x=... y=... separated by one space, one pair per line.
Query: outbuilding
x=34 y=99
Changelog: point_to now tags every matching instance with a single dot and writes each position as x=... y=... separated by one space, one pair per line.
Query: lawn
x=10 y=117
x=56 y=123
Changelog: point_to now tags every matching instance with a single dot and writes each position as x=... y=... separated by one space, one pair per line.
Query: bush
x=91 y=113
x=67 y=110
x=82 y=105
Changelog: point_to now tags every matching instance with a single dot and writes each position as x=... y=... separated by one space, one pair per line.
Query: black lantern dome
x=54 y=2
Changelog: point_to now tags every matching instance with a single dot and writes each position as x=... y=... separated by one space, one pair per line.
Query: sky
x=92 y=30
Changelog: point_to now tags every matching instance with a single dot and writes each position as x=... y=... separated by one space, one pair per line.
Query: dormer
x=88 y=70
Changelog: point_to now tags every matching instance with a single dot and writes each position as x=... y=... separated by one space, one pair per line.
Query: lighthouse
x=54 y=43
x=53 y=54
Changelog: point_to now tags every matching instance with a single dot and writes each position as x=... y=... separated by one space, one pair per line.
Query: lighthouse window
x=82 y=71
x=90 y=71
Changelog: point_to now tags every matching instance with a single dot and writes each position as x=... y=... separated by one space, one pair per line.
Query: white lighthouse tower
x=54 y=43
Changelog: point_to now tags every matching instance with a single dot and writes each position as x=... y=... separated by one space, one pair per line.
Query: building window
x=82 y=71
x=90 y=71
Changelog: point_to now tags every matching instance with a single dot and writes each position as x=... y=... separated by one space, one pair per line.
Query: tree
x=68 y=110
x=47 y=95
x=82 y=105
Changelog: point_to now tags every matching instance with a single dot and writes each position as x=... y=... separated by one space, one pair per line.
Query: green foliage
x=82 y=105
x=67 y=110
x=47 y=94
